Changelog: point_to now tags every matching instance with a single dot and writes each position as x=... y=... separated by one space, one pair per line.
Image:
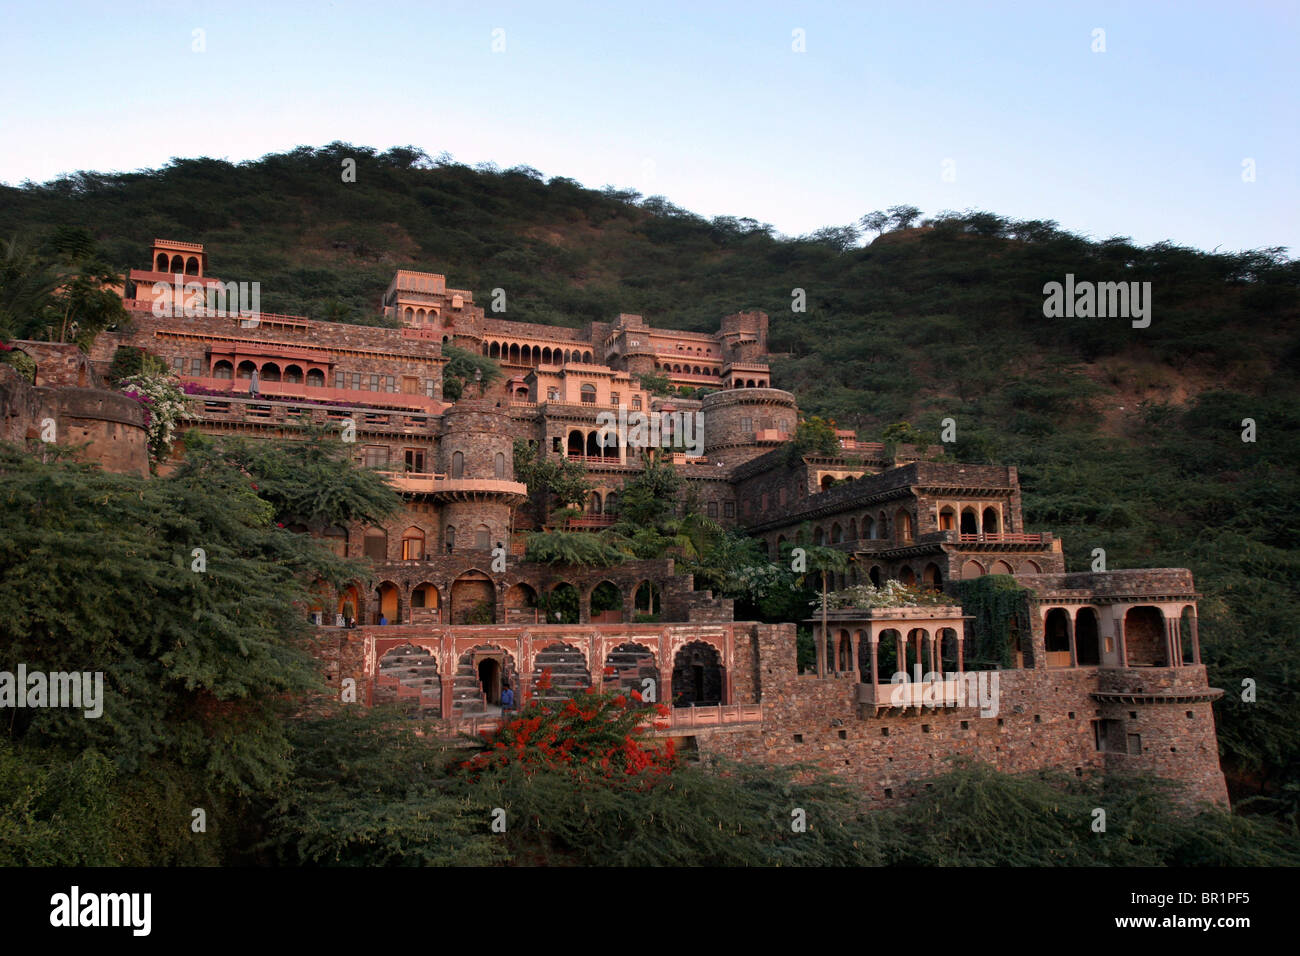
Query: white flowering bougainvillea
x=890 y=594
x=163 y=402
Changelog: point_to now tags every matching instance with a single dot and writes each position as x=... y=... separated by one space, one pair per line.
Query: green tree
x=460 y=371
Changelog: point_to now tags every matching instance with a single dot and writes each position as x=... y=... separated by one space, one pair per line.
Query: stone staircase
x=409 y=674
x=632 y=663
x=568 y=669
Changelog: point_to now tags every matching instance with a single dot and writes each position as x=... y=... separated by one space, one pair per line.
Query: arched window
x=376 y=544
x=991 y=521
x=412 y=544
x=588 y=394
x=315 y=378
x=458 y=464
x=223 y=369
x=499 y=466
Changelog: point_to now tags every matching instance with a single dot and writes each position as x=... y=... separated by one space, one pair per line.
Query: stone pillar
x=1074 y=651
x=1196 y=639
x=444 y=698
x=875 y=671
x=1119 y=640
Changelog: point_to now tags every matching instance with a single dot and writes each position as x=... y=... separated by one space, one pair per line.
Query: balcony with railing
x=1005 y=537
x=438 y=484
x=226 y=389
x=589 y=522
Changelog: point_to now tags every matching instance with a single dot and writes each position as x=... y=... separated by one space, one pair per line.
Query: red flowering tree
x=591 y=733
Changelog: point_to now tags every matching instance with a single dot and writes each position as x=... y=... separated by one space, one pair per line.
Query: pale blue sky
x=707 y=103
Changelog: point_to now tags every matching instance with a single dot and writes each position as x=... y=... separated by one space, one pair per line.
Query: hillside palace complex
x=1106 y=679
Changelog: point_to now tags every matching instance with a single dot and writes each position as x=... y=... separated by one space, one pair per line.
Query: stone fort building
x=1107 y=678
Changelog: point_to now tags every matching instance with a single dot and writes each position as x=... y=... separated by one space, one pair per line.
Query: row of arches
x=270 y=372
x=848 y=651
x=413 y=316
x=606 y=503
x=516 y=354
x=687 y=369
x=749 y=383
x=177 y=264
x=697 y=677
x=970 y=520
x=472 y=598
x=587 y=444
x=903 y=527
x=974 y=569
x=1150 y=637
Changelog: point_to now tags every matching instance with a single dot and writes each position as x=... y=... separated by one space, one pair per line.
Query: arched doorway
x=473 y=599
x=489 y=680
x=697 y=675
x=1087 y=647
x=386 y=604
x=1056 y=635
x=349 y=604
x=1144 y=637
x=424 y=604
x=481 y=674
x=606 y=603
x=991 y=521
x=562 y=604
x=521 y=605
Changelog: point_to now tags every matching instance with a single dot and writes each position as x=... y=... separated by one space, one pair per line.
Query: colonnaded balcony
x=897 y=656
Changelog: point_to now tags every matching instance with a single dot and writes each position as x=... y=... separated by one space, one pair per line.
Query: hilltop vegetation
x=1128 y=440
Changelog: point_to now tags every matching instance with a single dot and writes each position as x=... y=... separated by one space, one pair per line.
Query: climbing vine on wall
x=999 y=608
